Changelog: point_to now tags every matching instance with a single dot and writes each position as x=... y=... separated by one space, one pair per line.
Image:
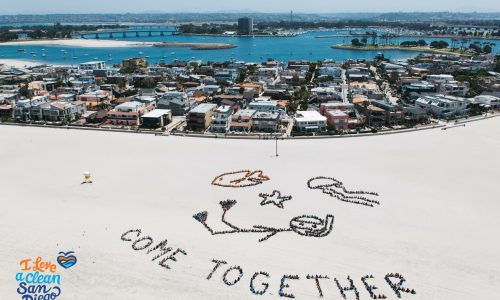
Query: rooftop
x=203 y=108
x=309 y=115
x=245 y=113
x=156 y=113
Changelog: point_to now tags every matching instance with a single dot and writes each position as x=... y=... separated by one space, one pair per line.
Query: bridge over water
x=127 y=33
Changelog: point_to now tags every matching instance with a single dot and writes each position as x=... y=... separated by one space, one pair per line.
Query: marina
x=250 y=49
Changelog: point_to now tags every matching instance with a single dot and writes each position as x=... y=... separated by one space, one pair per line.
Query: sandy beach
x=17 y=63
x=437 y=221
x=94 y=43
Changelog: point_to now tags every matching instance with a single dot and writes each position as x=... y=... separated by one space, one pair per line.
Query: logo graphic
x=38 y=279
x=66 y=259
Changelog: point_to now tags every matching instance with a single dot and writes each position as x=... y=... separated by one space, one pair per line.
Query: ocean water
x=250 y=49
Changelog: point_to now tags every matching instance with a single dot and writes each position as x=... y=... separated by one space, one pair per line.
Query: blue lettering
x=22 y=288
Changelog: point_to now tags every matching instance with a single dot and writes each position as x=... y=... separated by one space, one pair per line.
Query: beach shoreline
x=97 y=220
x=95 y=43
x=19 y=63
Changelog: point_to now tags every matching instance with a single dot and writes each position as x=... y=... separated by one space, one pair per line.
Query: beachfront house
x=128 y=113
x=221 y=118
x=309 y=121
x=488 y=101
x=177 y=102
x=96 y=98
x=266 y=121
x=241 y=121
x=156 y=118
x=23 y=108
x=337 y=119
x=59 y=111
x=443 y=106
x=200 y=117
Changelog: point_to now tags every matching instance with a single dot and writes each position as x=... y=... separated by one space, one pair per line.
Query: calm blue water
x=249 y=49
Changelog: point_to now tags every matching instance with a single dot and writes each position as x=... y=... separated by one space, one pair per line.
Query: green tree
x=487 y=49
x=356 y=43
x=25 y=91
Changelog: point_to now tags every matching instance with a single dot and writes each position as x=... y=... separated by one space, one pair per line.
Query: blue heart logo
x=66 y=259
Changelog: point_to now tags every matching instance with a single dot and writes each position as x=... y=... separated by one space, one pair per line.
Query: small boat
x=141 y=53
x=33 y=52
x=96 y=58
x=34 y=55
x=44 y=55
x=147 y=56
x=21 y=50
x=74 y=57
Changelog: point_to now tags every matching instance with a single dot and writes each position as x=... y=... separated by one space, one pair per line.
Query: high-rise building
x=245 y=26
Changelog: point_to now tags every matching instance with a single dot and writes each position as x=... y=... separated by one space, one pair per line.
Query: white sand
x=17 y=63
x=438 y=223
x=86 y=43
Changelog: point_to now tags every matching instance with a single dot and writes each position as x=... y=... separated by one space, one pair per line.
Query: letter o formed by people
x=235 y=281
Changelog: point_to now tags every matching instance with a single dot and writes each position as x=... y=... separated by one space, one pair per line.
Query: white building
x=269 y=76
x=454 y=88
x=132 y=106
x=266 y=106
x=221 y=118
x=335 y=72
x=23 y=108
x=443 y=106
x=488 y=100
x=440 y=77
x=310 y=121
x=93 y=65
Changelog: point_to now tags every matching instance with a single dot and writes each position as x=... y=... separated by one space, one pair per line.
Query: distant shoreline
x=381 y=48
x=84 y=43
x=237 y=35
x=412 y=36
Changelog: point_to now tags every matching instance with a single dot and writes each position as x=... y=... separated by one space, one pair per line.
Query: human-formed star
x=274 y=198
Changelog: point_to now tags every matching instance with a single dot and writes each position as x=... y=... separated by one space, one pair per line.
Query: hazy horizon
x=257 y=6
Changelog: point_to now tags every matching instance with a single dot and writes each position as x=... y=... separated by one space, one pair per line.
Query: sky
x=307 y=6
